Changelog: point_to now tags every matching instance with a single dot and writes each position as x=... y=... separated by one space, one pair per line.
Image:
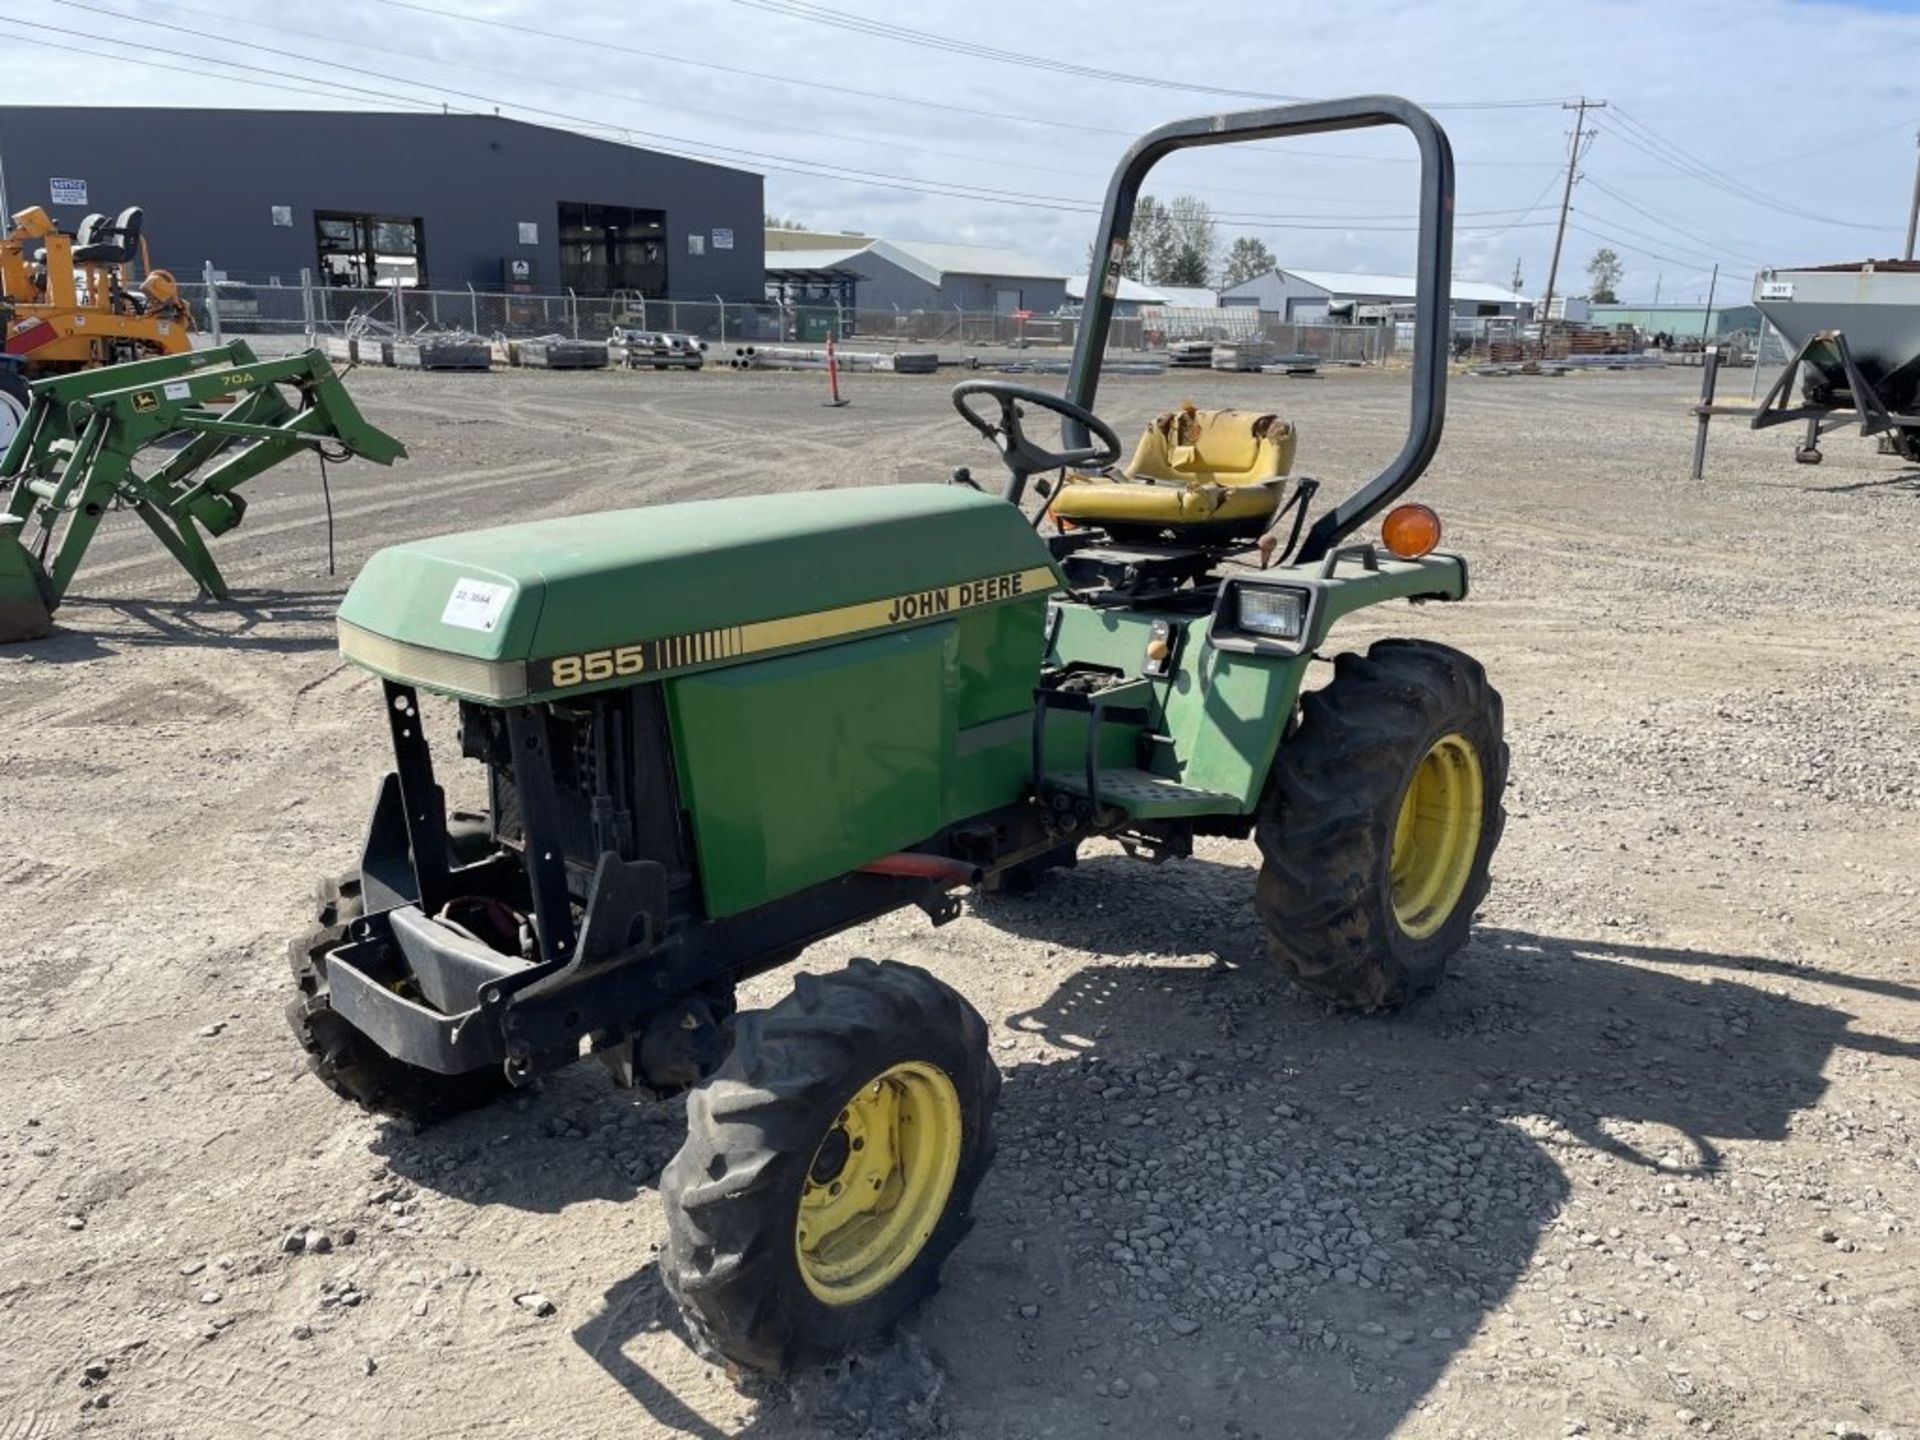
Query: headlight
x=1272 y=612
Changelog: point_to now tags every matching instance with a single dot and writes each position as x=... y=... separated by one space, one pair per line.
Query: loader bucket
x=26 y=610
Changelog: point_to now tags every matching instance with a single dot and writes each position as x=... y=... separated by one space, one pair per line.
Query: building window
x=365 y=251
x=604 y=248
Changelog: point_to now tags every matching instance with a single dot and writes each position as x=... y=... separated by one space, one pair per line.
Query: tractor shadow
x=276 y=621
x=1243 y=1205
x=1340 y=1203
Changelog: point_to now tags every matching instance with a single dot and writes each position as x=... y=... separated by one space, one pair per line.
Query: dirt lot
x=1646 y=1166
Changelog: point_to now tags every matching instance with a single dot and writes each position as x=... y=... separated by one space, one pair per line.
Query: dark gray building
x=359 y=198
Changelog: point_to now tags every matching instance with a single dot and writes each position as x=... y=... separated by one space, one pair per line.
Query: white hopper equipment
x=1855 y=329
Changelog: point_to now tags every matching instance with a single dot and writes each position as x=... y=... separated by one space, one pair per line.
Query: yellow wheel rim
x=1437 y=835
x=878 y=1183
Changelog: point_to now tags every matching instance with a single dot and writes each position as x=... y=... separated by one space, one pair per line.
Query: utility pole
x=1706 y=325
x=1913 y=214
x=1582 y=105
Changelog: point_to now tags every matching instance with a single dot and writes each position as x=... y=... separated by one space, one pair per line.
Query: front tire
x=341 y=1058
x=829 y=1166
x=1380 y=823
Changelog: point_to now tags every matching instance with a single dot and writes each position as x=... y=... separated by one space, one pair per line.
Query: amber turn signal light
x=1410 y=531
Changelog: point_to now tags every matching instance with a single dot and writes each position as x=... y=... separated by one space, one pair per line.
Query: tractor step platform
x=1145 y=795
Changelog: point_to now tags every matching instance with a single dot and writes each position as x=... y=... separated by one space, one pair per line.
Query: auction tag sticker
x=177 y=390
x=475 y=604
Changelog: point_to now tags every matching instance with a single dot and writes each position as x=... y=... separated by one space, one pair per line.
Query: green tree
x=1194 y=243
x=1247 y=259
x=1150 y=249
x=786 y=222
x=1604 y=272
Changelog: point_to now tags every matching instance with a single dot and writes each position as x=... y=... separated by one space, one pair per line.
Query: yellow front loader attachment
x=73 y=301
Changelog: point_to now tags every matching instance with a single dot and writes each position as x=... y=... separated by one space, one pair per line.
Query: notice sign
x=283 y=215
x=696 y=244
x=529 y=232
x=475 y=604
x=723 y=239
x=68 y=192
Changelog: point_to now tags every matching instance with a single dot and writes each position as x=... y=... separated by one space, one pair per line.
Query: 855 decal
x=642 y=657
x=565 y=670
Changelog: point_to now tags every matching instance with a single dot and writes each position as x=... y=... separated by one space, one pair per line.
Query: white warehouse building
x=1308 y=297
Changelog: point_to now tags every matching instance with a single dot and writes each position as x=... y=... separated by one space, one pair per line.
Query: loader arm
x=76 y=456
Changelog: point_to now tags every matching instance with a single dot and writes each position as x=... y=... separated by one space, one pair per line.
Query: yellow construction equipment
x=68 y=302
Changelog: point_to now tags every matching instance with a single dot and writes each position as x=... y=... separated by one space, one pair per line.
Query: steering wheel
x=1021 y=455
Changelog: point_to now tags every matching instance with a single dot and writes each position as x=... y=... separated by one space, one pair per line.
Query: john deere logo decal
x=702 y=647
x=923 y=604
x=146 y=400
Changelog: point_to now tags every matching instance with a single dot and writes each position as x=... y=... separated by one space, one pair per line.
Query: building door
x=604 y=248
x=1005 y=302
x=369 y=251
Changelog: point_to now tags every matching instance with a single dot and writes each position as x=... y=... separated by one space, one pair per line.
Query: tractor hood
x=589 y=601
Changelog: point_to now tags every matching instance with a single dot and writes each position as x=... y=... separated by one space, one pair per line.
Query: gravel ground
x=1644 y=1167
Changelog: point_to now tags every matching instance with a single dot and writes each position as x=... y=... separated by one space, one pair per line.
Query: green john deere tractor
x=715 y=733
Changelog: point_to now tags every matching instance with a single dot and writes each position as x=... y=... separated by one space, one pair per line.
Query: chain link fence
x=226 y=305
x=270 y=307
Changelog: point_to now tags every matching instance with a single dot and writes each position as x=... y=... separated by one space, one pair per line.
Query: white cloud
x=1814 y=104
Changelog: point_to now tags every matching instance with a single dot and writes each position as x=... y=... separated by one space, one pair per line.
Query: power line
x=1712 y=172
x=1704 y=237
x=198 y=73
x=1773 y=162
x=653 y=101
x=692 y=149
x=1648 y=142
x=750 y=122
x=599 y=43
x=811 y=169
x=951 y=45
x=821 y=15
x=145 y=61
x=1538 y=201
x=207 y=59
x=1706 y=257
x=1693 y=265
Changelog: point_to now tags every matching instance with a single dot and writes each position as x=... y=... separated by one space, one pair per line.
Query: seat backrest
x=109 y=244
x=1219 y=447
x=127 y=229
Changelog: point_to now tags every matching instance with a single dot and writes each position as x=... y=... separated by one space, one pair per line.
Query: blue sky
x=1752 y=132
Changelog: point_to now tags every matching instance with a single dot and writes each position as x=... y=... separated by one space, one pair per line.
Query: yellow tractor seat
x=1218 y=471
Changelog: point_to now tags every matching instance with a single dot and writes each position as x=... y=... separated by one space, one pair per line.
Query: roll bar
x=1431 y=309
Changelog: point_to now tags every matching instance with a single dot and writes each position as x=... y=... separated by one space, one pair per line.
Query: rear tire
x=1368 y=885
x=770 y=1266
